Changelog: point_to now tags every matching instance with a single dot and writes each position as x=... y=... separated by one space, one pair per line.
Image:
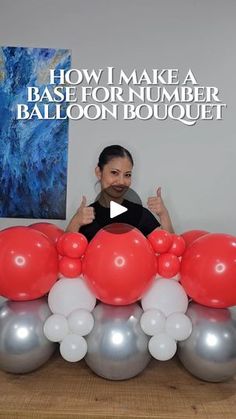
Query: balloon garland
x=119 y=300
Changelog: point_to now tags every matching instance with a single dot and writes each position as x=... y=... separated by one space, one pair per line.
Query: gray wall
x=194 y=165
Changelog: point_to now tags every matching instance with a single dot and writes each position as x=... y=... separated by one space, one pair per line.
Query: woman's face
x=115 y=177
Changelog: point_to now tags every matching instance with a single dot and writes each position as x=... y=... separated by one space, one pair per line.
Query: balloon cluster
x=71 y=303
x=118 y=267
x=164 y=306
x=71 y=247
x=208 y=274
x=169 y=248
x=29 y=268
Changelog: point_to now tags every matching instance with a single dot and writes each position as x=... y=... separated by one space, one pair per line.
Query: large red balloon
x=208 y=270
x=119 y=264
x=49 y=229
x=192 y=235
x=29 y=263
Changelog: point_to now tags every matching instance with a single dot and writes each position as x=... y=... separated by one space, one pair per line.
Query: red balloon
x=29 y=263
x=70 y=267
x=119 y=264
x=72 y=245
x=168 y=265
x=49 y=229
x=192 y=235
x=208 y=270
x=178 y=246
x=161 y=240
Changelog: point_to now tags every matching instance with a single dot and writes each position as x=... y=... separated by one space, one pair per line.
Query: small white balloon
x=73 y=348
x=167 y=296
x=81 y=322
x=179 y=326
x=69 y=294
x=56 y=328
x=152 y=322
x=162 y=347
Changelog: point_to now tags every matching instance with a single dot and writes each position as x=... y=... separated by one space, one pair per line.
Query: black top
x=136 y=216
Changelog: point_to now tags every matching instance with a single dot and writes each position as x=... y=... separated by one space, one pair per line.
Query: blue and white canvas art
x=33 y=153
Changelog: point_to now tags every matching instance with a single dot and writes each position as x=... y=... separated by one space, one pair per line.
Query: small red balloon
x=192 y=235
x=119 y=264
x=49 y=229
x=70 y=267
x=208 y=270
x=168 y=265
x=72 y=245
x=161 y=240
x=29 y=264
x=178 y=246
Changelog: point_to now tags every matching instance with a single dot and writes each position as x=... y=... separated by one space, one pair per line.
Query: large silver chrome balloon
x=23 y=346
x=210 y=351
x=117 y=346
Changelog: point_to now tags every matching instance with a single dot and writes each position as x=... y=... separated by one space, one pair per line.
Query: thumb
x=159 y=192
x=83 y=202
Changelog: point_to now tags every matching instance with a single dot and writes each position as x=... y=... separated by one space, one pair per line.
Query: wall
x=194 y=165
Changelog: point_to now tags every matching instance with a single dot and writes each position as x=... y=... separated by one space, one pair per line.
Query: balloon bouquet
x=141 y=305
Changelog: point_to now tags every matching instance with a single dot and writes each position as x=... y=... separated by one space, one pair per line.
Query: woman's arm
x=165 y=221
x=157 y=206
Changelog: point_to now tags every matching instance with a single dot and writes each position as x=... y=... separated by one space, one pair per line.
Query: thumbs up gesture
x=156 y=204
x=84 y=215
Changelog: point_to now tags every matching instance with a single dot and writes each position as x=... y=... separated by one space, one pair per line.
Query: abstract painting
x=33 y=152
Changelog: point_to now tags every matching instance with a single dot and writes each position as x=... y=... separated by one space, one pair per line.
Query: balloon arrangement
x=142 y=309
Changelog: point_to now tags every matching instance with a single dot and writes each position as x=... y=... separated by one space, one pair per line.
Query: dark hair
x=111 y=152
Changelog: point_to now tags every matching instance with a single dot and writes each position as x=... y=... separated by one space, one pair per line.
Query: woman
x=114 y=171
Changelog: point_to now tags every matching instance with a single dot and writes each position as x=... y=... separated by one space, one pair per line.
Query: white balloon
x=55 y=328
x=152 y=322
x=73 y=348
x=167 y=296
x=162 y=347
x=69 y=294
x=179 y=326
x=81 y=322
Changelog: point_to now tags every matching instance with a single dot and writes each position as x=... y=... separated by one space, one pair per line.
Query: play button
x=116 y=209
x=128 y=211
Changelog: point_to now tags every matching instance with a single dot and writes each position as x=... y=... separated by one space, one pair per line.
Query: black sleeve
x=148 y=222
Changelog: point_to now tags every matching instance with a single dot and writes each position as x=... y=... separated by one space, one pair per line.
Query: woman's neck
x=105 y=200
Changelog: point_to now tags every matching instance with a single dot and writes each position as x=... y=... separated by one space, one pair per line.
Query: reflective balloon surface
x=210 y=352
x=117 y=346
x=208 y=270
x=119 y=264
x=23 y=346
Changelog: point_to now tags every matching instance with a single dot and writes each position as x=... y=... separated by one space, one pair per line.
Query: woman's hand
x=157 y=206
x=83 y=216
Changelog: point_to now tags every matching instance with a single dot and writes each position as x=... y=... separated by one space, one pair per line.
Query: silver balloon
x=2 y=300
x=117 y=346
x=210 y=351
x=23 y=346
